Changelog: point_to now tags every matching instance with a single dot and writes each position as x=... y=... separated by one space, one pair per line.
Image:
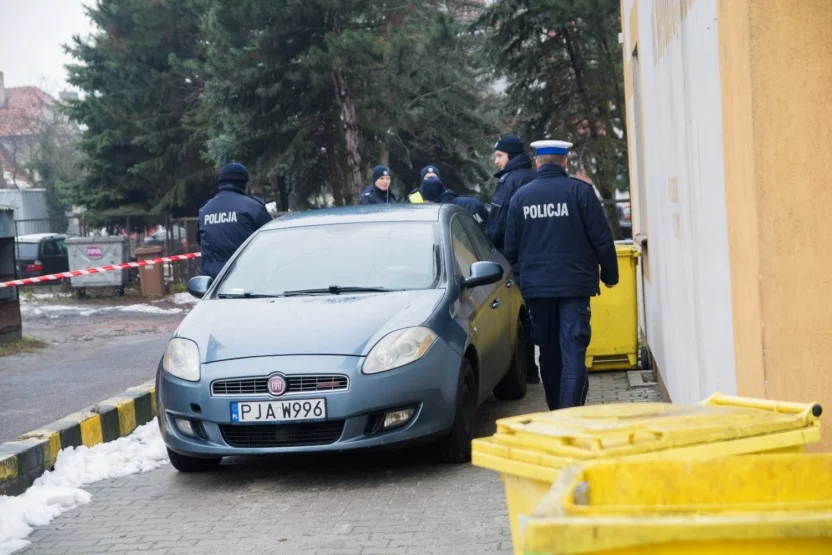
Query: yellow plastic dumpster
x=530 y=450
x=614 y=342
x=754 y=505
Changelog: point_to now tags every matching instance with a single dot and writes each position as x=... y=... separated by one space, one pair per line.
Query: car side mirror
x=483 y=273
x=197 y=286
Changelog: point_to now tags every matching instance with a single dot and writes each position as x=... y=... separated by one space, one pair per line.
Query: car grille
x=282 y=435
x=294 y=384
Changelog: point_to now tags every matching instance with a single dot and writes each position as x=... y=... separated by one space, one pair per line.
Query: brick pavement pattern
x=391 y=503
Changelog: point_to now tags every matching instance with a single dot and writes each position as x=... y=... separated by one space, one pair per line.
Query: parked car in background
x=160 y=237
x=345 y=328
x=41 y=254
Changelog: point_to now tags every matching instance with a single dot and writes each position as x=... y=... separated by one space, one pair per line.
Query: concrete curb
x=25 y=459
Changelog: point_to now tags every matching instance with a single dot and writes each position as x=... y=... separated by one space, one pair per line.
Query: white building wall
x=687 y=300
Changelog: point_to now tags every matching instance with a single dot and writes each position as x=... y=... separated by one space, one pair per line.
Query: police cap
x=543 y=148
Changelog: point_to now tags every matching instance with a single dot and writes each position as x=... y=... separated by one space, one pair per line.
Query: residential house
x=22 y=110
x=726 y=104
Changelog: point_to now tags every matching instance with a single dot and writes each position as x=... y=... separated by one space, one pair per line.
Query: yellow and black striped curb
x=23 y=460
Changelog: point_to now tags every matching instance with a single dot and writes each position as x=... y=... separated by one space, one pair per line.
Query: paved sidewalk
x=352 y=504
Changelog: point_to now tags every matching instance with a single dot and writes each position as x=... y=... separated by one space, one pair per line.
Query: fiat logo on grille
x=276 y=385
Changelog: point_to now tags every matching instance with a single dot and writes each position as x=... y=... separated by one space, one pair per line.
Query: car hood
x=347 y=324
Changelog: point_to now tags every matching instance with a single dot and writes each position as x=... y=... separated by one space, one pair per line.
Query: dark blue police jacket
x=225 y=222
x=557 y=235
x=373 y=195
x=517 y=173
x=472 y=205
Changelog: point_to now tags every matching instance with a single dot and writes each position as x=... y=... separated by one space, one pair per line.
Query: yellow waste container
x=530 y=450
x=614 y=342
x=753 y=505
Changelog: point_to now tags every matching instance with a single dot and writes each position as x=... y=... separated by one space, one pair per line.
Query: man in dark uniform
x=415 y=196
x=515 y=171
x=433 y=190
x=379 y=192
x=228 y=219
x=557 y=235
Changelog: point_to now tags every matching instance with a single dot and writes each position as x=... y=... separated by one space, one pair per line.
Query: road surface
x=95 y=350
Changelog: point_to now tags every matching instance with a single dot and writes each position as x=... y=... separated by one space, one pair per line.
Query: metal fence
x=69 y=226
x=179 y=235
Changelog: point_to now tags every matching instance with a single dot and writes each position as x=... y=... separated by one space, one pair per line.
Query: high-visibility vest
x=416 y=198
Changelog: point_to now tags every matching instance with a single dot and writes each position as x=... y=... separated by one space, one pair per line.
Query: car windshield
x=322 y=258
x=27 y=251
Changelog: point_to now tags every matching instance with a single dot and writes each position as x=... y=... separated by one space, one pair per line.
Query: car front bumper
x=429 y=386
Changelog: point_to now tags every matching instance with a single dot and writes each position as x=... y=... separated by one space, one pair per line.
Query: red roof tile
x=22 y=111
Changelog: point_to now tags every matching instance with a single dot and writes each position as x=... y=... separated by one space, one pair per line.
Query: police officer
x=433 y=190
x=228 y=219
x=515 y=171
x=415 y=196
x=379 y=192
x=557 y=236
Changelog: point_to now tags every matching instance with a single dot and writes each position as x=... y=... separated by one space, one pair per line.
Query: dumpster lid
x=623 y=429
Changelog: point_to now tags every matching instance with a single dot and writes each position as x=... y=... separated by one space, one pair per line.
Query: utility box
x=11 y=325
x=91 y=252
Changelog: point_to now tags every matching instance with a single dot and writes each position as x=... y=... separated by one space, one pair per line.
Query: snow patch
x=28 y=297
x=60 y=490
x=51 y=311
x=184 y=298
x=148 y=309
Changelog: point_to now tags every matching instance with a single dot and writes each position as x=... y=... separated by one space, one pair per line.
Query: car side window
x=482 y=246
x=50 y=248
x=464 y=251
x=62 y=246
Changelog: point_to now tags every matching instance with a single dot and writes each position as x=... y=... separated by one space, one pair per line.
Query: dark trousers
x=532 y=372
x=561 y=328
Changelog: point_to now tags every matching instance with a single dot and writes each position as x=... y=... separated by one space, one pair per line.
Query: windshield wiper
x=246 y=295
x=337 y=290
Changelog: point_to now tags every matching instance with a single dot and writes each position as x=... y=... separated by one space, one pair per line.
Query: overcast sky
x=31 y=39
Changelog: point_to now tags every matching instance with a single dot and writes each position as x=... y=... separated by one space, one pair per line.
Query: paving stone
x=400 y=502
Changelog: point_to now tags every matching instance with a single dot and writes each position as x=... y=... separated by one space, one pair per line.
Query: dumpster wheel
x=646 y=360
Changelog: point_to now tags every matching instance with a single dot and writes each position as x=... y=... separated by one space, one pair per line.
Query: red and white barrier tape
x=108 y=268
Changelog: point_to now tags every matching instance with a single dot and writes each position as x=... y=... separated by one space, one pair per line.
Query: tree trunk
x=349 y=123
x=282 y=192
x=583 y=92
x=336 y=187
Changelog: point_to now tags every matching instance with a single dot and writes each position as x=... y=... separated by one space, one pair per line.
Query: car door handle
x=496 y=303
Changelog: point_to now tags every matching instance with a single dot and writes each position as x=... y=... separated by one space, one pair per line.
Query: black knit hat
x=511 y=145
x=234 y=173
x=431 y=188
x=380 y=171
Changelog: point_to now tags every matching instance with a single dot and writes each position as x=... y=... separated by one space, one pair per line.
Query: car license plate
x=278 y=411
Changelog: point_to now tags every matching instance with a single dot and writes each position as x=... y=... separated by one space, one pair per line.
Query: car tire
x=184 y=463
x=456 y=446
x=513 y=385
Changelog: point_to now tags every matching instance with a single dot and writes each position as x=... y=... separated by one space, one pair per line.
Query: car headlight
x=182 y=359
x=397 y=349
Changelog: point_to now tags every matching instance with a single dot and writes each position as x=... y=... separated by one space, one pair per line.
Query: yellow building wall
x=777 y=120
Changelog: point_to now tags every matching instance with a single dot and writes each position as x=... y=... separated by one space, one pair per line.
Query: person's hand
x=608 y=286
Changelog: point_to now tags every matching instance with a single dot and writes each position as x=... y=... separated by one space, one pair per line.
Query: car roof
x=36 y=237
x=367 y=213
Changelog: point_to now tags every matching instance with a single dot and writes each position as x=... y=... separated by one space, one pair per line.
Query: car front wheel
x=184 y=463
x=456 y=446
